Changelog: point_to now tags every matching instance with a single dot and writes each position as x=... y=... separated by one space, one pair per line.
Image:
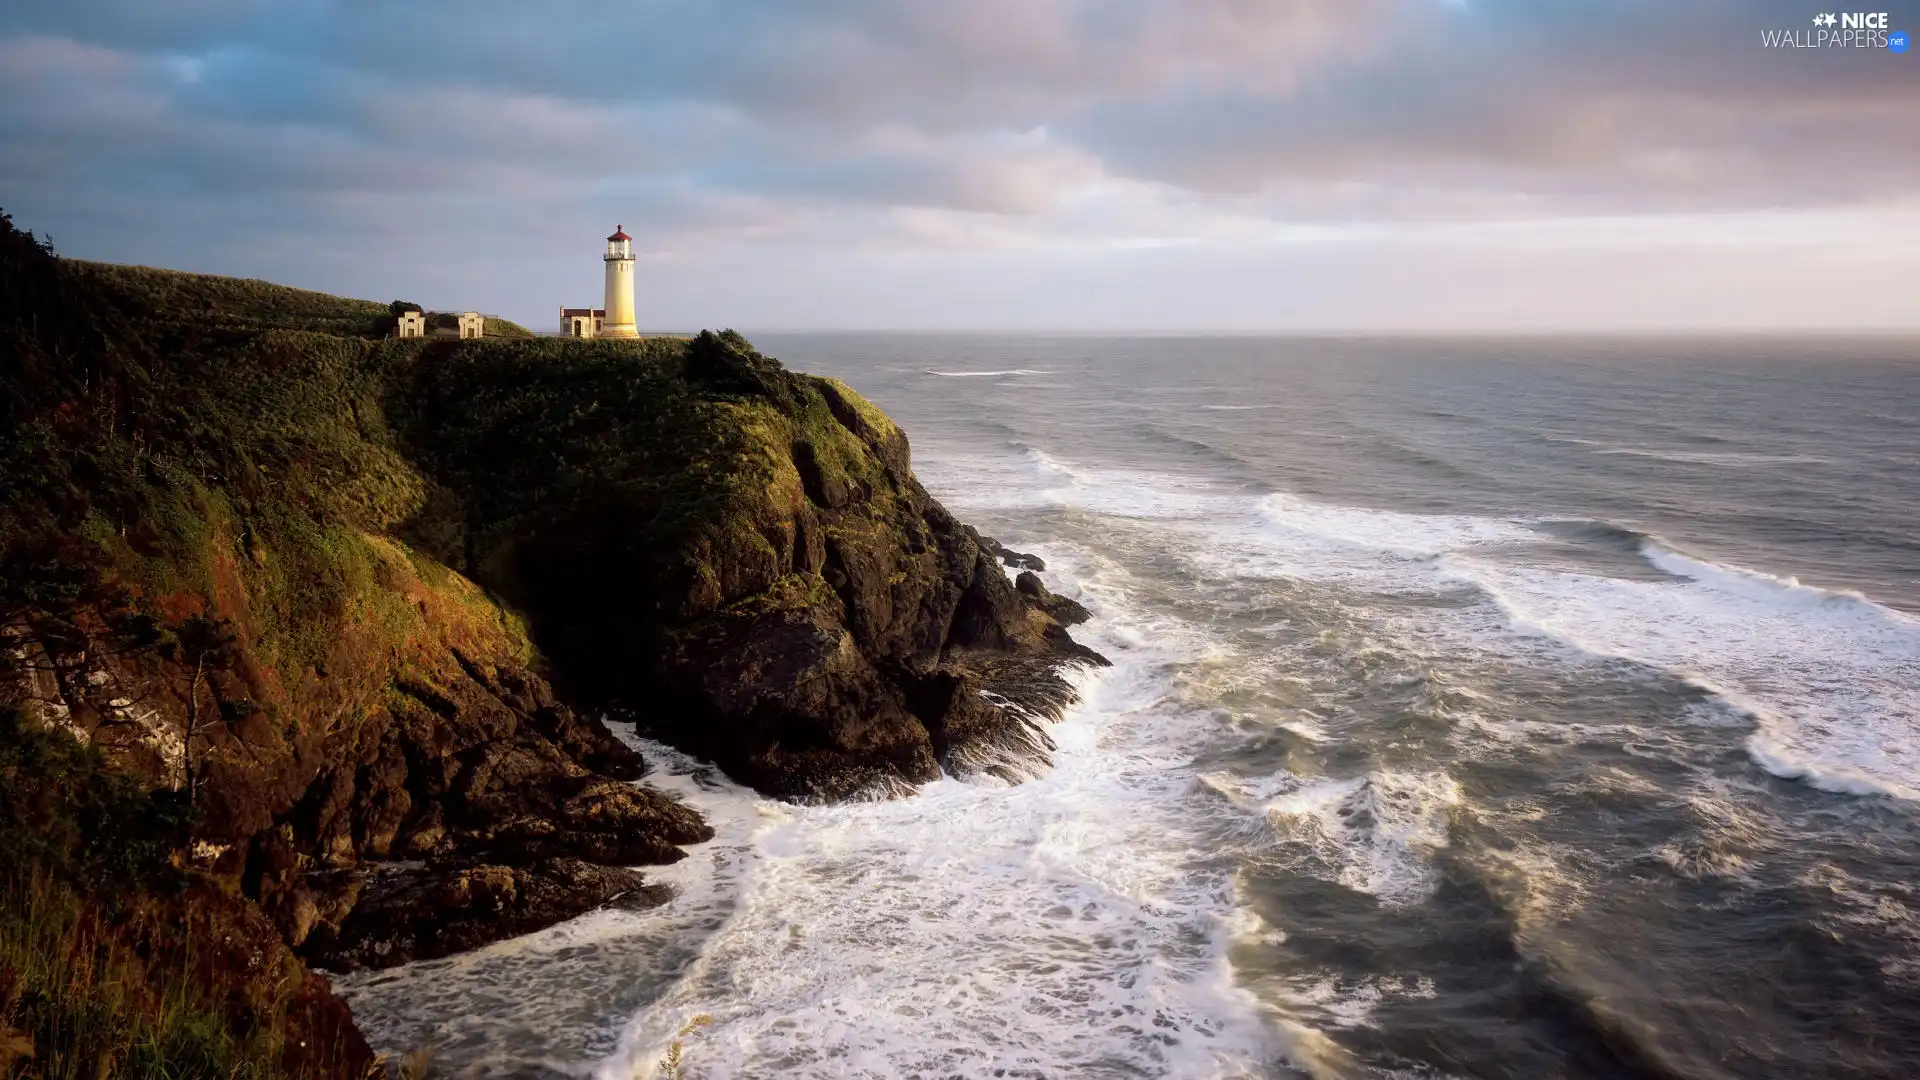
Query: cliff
x=354 y=607
x=736 y=556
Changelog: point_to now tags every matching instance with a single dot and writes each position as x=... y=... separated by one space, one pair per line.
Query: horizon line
x=1896 y=333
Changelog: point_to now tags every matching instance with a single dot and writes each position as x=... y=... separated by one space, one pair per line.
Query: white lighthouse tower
x=619 y=260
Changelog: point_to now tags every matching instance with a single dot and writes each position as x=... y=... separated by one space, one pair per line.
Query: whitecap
x=1721 y=459
x=1377 y=833
x=1394 y=532
x=1827 y=676
x=1003 y=373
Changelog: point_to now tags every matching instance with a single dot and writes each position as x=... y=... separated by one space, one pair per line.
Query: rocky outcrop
x=406 y=913
x=1064 y=610
x=1017 y=560
x=809 y=618
x=431 y=764
x=200 y=579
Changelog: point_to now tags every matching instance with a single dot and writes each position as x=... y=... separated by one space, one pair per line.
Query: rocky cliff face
x=360 y=602
x=802 y=612
x=428 y=739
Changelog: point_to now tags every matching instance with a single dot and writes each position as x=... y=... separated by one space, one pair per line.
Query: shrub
x=99 y=974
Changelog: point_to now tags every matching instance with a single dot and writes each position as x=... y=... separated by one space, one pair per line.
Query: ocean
x=1480 y=708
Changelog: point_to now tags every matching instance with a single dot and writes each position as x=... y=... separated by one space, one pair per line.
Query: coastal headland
x=312 y=638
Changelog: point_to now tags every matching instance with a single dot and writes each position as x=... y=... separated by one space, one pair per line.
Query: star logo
x=1824 y=20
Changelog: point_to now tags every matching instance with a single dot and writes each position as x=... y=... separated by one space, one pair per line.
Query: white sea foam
x=1379 y=831
x=1755 y=585
x=534 y=1004
x=1376 y=833
x=1068 y=926
x=1724 y=459
x=1351 y=1003
x=1417 y=535
x=1827 y=676
x=1127 y=493
x=1080 y=924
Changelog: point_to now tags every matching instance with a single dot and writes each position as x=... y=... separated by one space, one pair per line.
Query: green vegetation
x=99 y=972
x=502 y=328
x=196 y=471
x=669 y=471
x=209 y=301
x=673 y=1064
x=245 y=450
x=241 y=447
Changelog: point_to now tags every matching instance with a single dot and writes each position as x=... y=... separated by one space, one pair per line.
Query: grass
x=242 y=432
x=85 y=998
x=106 y=966
x=501 y=328
x=208 y=300
x=616 y=490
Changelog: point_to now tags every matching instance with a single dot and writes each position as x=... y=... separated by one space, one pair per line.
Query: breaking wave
x=1826 y=675
x=1002 y=373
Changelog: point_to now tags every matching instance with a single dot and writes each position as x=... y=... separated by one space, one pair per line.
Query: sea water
x=1479 y=708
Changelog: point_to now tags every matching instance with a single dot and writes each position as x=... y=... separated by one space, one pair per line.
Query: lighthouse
x=619 y=259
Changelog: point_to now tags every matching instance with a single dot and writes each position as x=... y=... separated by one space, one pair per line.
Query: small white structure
x=581 y=322
x=419 y=324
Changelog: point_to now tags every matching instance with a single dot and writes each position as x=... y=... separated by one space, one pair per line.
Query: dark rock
x=1012 y=558
x=419 y=913
x=603 y=821
x=362 y=700
x=1068 y=611
x=1063 y=610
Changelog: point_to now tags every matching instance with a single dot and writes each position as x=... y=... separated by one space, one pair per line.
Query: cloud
x=345 y=135
x=1547 y=106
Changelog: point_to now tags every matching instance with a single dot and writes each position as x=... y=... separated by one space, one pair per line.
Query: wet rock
x=409 y=913
x=1066 y=611
x=603 y=821
x=1015 y=559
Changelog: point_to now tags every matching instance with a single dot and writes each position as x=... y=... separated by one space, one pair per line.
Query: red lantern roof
x=619 y=233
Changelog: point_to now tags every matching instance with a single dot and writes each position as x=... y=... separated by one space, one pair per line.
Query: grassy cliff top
x=240 y=428
x=211 y=300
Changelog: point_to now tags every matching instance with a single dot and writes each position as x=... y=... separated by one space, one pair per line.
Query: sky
x=1097 y=165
